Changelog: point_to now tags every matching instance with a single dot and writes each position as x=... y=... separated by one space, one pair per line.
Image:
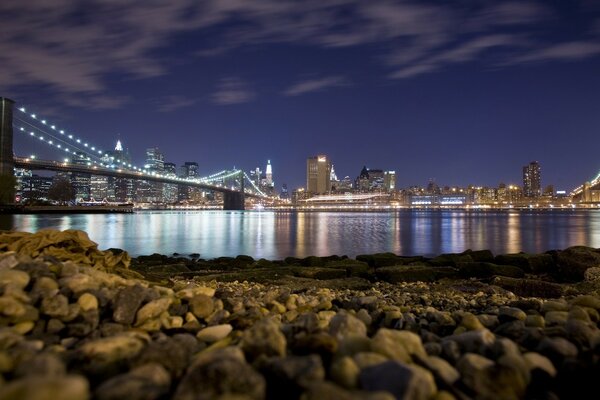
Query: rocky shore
x=80 y=323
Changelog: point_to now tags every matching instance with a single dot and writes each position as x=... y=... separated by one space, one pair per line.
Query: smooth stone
x=87 y=302
x=477 y=373
x=508 y=314
x=11 y=307
x=222 y=373
x=366 y=359
x=344 y=324
x=535 y=321
x=152 y=310
x=19 y=279
x=554 y=305
x=536 y=361
x=556 y=318
x=470 y=322
x=557 y=349
x=291 y=375
x=478 y=341
x=263 y=338
x=401 y=380
x=56 y=306
x=146 y=382
x=110 y=349
x=397 y=345
x=587 y=301
x=127 y=303
x=214 y=333
x=344 y=372
x=201 y=305
x=440 y=368
x=71 y=387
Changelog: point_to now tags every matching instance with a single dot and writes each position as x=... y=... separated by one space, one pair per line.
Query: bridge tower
x=235 y=200
x=6 y=136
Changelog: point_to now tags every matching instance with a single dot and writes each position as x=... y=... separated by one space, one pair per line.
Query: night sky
x=465 y=92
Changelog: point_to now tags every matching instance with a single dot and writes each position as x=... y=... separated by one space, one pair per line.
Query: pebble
x=214 y=333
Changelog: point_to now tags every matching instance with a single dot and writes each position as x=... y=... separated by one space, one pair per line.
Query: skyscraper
x=532 y=180
x=269 y=174
x=318 y=175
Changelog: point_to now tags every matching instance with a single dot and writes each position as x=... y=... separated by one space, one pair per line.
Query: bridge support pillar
x=233 y=201
x=6 y=136
x=7 y=162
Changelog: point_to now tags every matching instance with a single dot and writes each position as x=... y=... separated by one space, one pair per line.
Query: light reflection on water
x=275 y=235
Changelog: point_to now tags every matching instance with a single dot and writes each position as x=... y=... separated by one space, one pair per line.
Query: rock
x=172 y=353
x=508 y=314
x=88 y=302
x=152 y=310
x=536 y=263
x=476 y=373
x=535 y=321
x=592 y=274
x=487 y=270
x=537 y=363
x=71 y=387
x=478 y=341
x=44 y=364
x=587 y=301
x=440 y=368
x=127 y=303
x=287 y=377
x=344 y=372
x=14 y=277
x=581 y=333
x=401 y=380
x=451 y=260
x=222 y=373
x=470 y=322
x=111 y=349
x=556 y=318
x=214 y=333
x=529 y=287
x=395 y=274
x=557 y=349
x=481 y=255
x=554 y=305
x=574 y=261
x=146 y=382
x=8 y=260
x=366 y=359
x=11 y=307
x=264 y=338
x=344 y=324
x=397 y=345
x=201 y=305
x=56 y=306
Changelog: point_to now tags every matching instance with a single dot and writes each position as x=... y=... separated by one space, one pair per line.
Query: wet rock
x=395 y=274
x=535 y=263
x=574 y=261
x=508 y=314
x=476 y=374
x=401 y=380
x=486 y=270
x=557 y=349
x=529 y=287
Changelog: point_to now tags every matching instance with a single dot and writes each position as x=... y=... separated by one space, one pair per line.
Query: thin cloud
x=232 y=91
x=314 y=85
x=174 y=102
x=41 y=43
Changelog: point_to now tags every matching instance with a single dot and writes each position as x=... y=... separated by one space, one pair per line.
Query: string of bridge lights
x=63 y=144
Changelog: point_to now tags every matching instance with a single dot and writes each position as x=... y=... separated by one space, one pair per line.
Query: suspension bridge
x=94 y=161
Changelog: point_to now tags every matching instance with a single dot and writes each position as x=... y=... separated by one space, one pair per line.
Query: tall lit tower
x=318 y=175
x=532 y=180
x=269 y=174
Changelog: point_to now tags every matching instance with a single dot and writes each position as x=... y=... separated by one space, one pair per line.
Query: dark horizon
x=466 y=93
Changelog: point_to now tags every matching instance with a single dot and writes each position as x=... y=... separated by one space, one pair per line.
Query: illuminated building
x=34 y=187
x=147 y=191
x=189 y=169
x=318 y=175
x=170 y=190
x=269 y=176
x=123 y=187
x=80 y=181
x=532 y=180
x=389 y=181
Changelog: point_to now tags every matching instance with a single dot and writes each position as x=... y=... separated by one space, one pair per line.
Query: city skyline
x=465 y=92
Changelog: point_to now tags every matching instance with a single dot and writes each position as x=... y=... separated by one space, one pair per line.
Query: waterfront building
x=99 y=188
x=318 y=175
x=188 y=170
x=147 y=191
x=34 y=187
x=532 y=180
x=285 y=194
x=80 y=181
x=269 y=175
x=170 y=190
x=124 y=188
x=389 y=181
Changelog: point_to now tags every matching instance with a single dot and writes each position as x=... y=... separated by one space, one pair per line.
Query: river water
x=276 y=235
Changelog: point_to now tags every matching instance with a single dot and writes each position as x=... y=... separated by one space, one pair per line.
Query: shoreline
x=82 y=323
